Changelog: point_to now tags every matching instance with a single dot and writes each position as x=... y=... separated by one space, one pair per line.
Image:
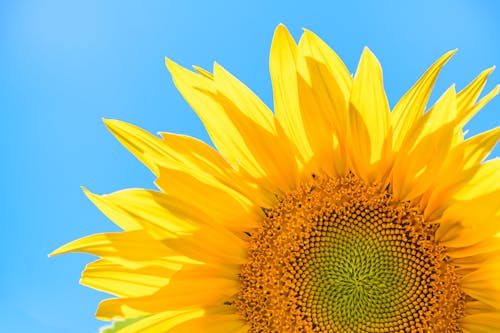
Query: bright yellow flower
x=334 y=214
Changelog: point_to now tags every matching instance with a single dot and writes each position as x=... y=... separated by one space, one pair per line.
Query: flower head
x=332 y=214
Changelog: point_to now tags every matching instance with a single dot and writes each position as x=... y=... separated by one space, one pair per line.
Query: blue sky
x=64 y=65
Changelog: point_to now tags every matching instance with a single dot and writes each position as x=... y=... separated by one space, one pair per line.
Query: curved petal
x=283 y=69
x=203 y=163
x=210 y=245
x=369 y=120
x=459 y=167
x=227 y=323
x=467 y=113
x=203 y=292
x=132 y=249
x=162 y=322
x=138 y=141
x=194 y=156
x=168 y=216
x=324 y=88
x=468 y=96
x=181 y=152
x=485 y=180
x=469 y=222
x=223 y=205
x=485 y=247
x=412 y=105
x=238 y=128
x=484 y=284
x=124 y=281
x=481 y=323
x=418 y=162
x=147 y=209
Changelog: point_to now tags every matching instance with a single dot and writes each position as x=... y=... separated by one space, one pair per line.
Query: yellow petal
x=477 y=148
x=469 y=222
x=460 y=165
x=195 y=156
x=369 y=118
x=138 y=141
x=272 y=152
x=204 y=72
x=474 y=307
x=202 y=162
x=179 y=152
x=126 y=282
x=466 y=114
x=485 y=180
x=283 y=69
x=156 y=212
x=197 y=271
x=484 y=284
x=417 y=163
x=176 y=295
x=481 y=323
x=243 y=98
x=442 y=113
x=317 y=49
x=466 y=111
x=223 y=205
x=487 y=246
x=468 y=96
x=124 y=221
x=235 y=131
x=131 y=249
x=324 y=87
x=412 y=105
x=210 y=245
x=162 y=322
x=228 y=323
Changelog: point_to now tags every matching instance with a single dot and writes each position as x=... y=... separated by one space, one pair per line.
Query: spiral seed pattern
x=338 y=255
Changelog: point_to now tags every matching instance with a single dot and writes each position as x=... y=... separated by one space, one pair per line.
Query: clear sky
x=64 y=65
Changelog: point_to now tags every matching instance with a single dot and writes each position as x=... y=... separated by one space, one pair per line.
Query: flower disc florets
x=339 y=255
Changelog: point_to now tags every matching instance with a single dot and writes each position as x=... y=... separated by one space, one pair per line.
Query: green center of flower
x=338 y=255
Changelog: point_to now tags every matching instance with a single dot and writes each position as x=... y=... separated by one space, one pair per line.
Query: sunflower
x=332 y=214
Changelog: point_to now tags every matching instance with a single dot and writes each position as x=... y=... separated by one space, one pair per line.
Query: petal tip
x=58 y=251
x=307 y=32
x=172 y=66
x=114 y=126
x=203 y=72
x=369 y=58
x=281 y=26
x=366 y=49
x=281 y=33
x=309 y=37
x=112 y=123
x=106 y=120
x=168 y=61
x=448 y=55
x=87 y=193
x=368 y=54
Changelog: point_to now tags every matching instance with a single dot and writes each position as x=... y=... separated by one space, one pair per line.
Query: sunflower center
x=339 y=255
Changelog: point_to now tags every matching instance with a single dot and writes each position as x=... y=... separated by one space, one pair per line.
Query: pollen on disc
x=338 y=255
